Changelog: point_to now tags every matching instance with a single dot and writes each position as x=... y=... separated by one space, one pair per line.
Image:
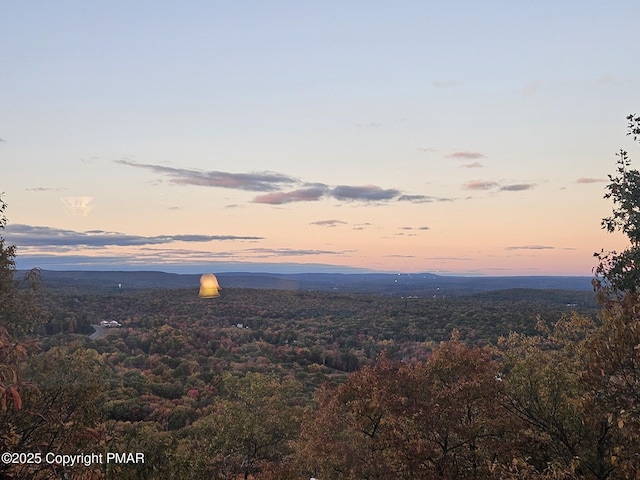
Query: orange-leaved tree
x=437 y=419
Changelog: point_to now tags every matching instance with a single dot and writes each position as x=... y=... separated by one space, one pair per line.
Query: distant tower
x=209 y=287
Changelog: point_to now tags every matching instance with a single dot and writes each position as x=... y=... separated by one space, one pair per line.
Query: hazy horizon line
x=276 y=269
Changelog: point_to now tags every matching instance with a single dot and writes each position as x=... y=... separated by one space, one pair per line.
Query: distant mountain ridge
x=420 y=284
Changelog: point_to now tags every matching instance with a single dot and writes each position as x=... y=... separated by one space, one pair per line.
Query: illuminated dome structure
x=209 y=287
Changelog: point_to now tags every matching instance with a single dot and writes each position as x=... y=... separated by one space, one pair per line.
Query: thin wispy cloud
x=490 y=185
x=590 y=180
x=37 y=236
x=143 y=257
x=254 y=182
x=366 y=193
x=185 y=255
x=417 y=198
x=480 y=185
x=89 y=160
x=361 y=226
x=414 y=228
x=463 y=155
x=302 y=195
x=328 y=223
x=43 y=189
x=472 y=165
x=428 y=149
x=530 y=247
x=517 y=187
x=461 y=259
x=287 y=252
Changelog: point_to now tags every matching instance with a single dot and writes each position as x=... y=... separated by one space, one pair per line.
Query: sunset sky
x=453 y=137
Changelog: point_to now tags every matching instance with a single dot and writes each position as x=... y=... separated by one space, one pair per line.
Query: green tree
x=618 y=273
x=11 y=351
x=61 y=409
x=614 y=348
x=565 y=422
x=251 y=426
x=613 y=377
x=19 y=310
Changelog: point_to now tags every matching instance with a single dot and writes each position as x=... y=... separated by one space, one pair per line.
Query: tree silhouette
x=11 y=352
x=618 y=273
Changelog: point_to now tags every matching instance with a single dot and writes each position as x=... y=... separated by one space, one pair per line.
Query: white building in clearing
x=111 y=324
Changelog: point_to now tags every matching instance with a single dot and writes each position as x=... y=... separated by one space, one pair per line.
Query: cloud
x=489 y=184
x=43 y=189
x=150 y=259
x=361 y=226
x=328 y=223
x=480 y=185
x=254 y=182
x=590 y=180
x=518 y=187
x=36 y=236
x=465 y=155
x=273 y=183
x=90 y=160
x=414 y=228
x=462 y=259
x=369 y=125
x=302 y=195
x=530 y=247
x=287 y=252
x=472 y=165
x=417 y=198
x=367 y=193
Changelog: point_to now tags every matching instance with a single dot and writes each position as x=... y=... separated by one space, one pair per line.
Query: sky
x=452 y=137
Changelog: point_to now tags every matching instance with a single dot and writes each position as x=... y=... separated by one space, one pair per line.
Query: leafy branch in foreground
x=618 y=273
